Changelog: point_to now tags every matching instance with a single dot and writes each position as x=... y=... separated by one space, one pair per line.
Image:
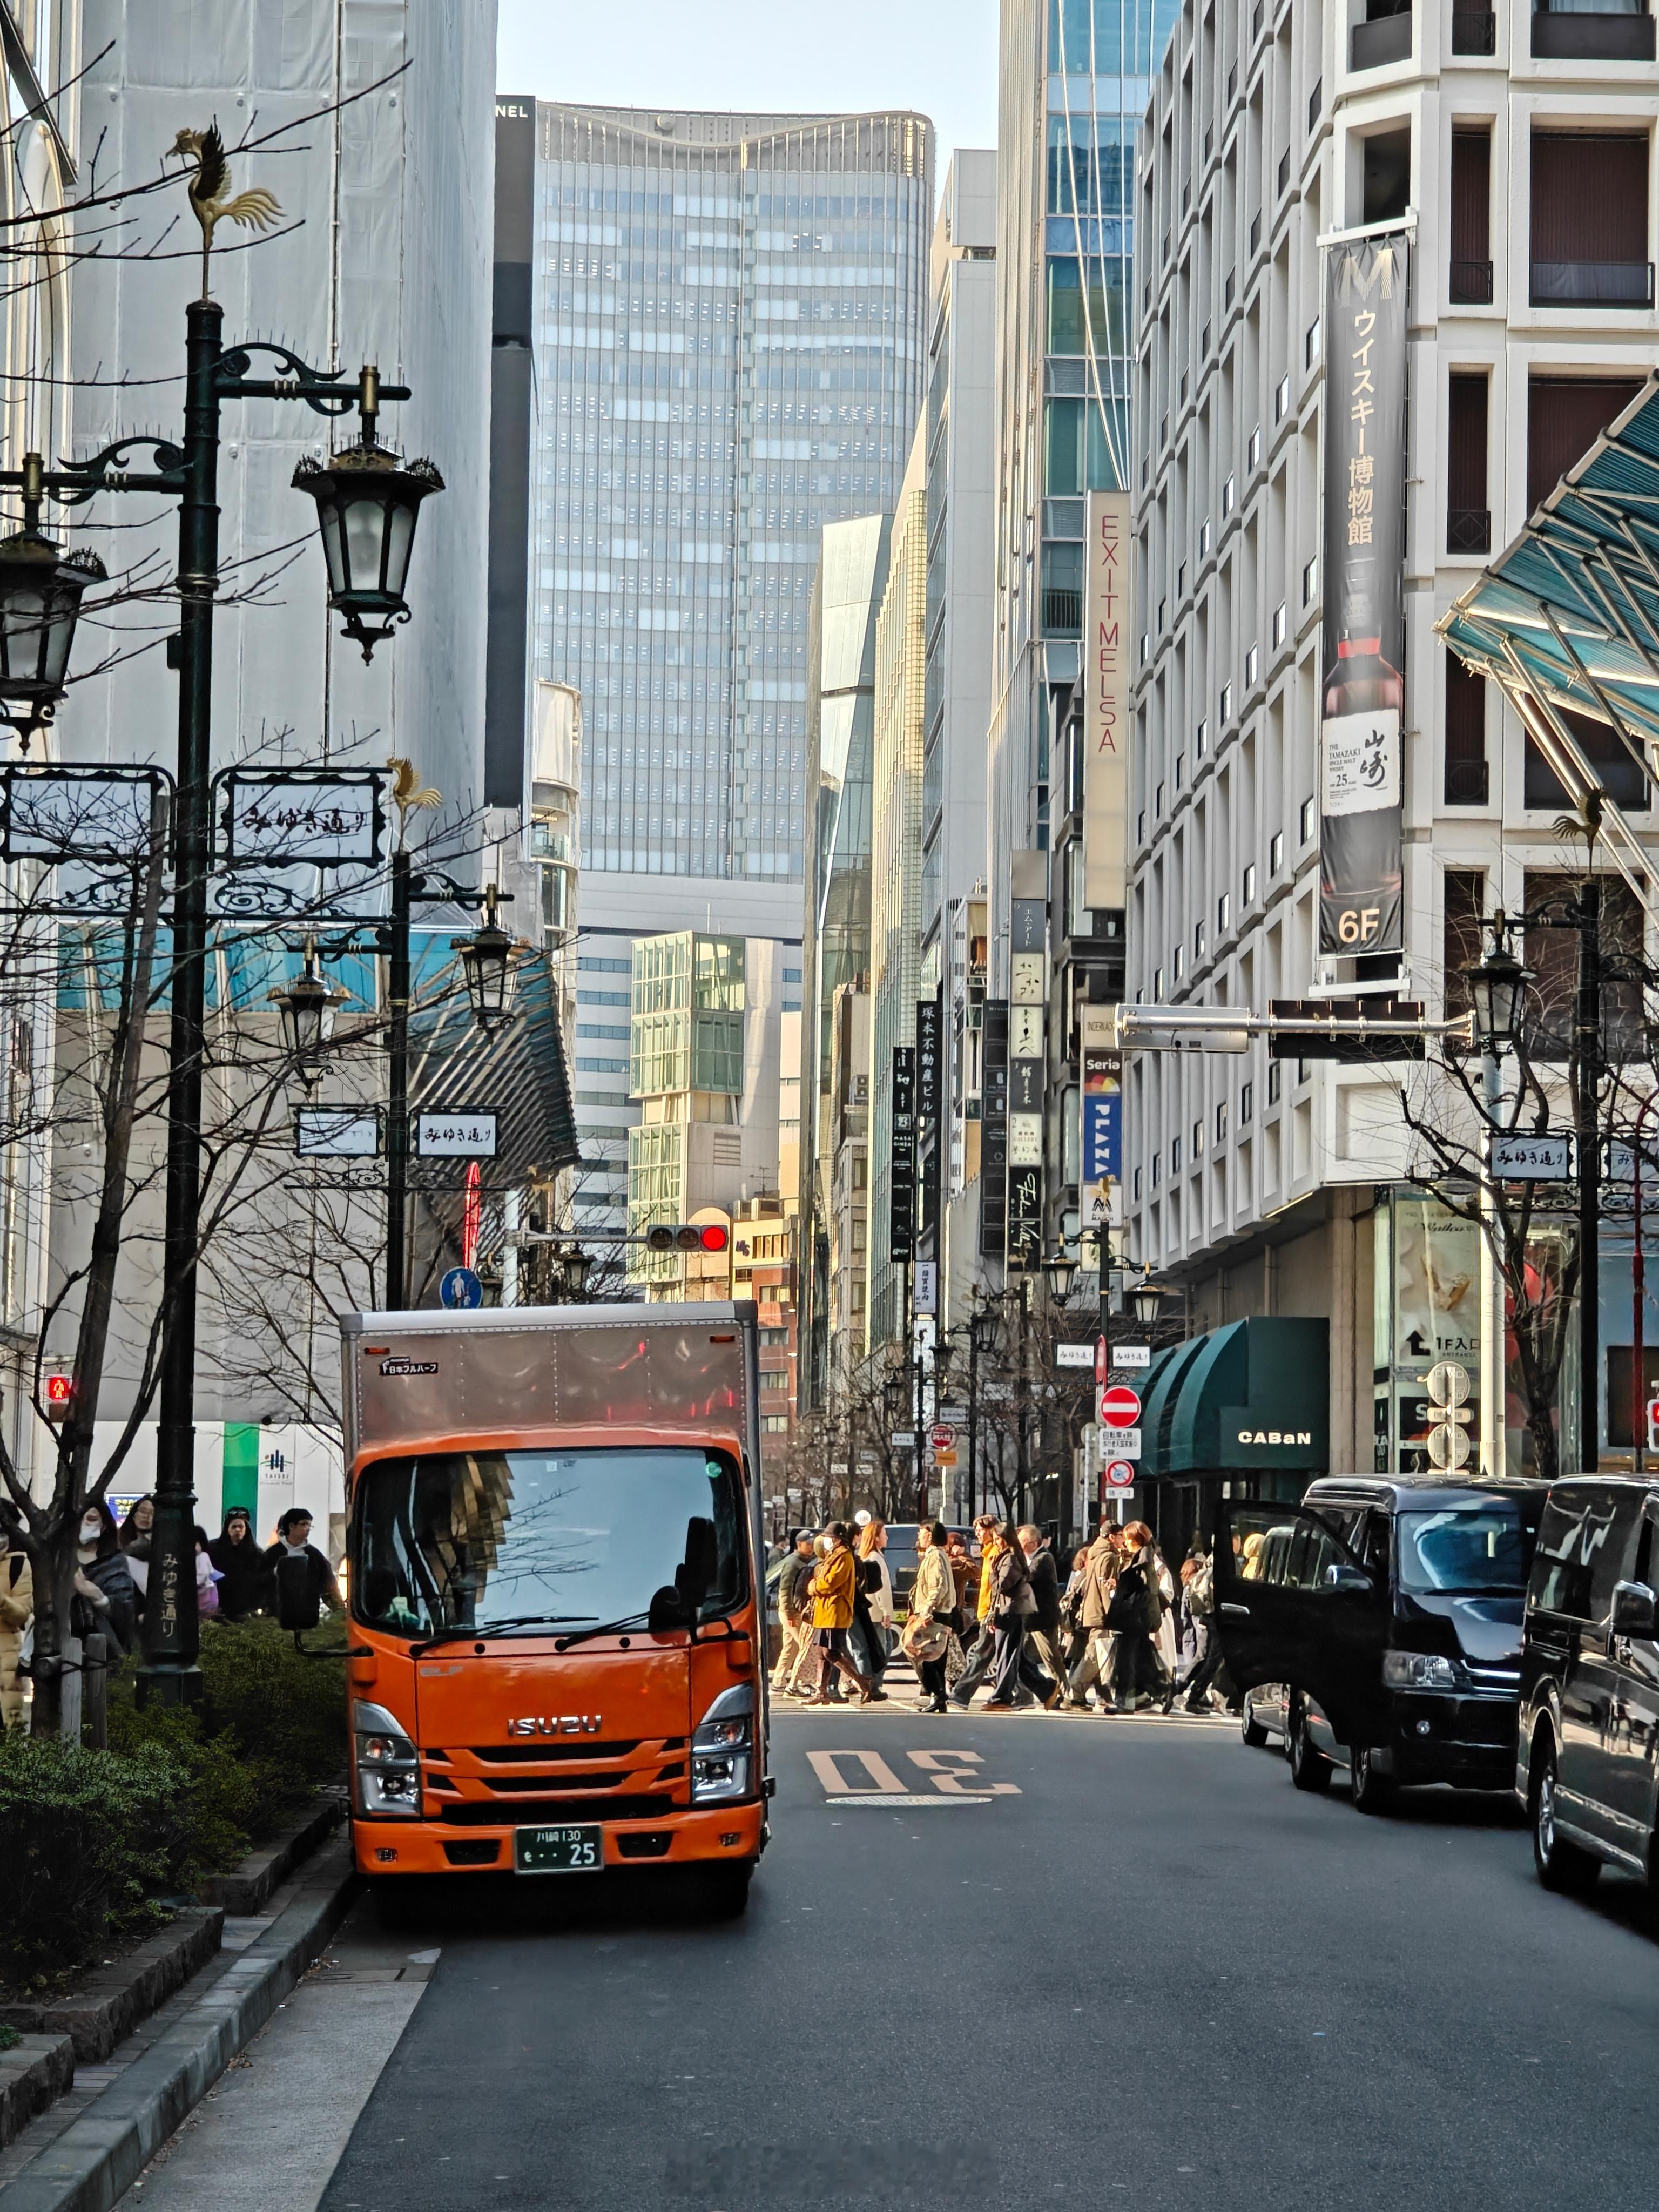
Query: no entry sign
x=1119 y=1407
x=1120 y=1474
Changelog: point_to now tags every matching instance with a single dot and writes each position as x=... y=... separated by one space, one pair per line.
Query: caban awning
x=1253 y=1395
x=1566 y=618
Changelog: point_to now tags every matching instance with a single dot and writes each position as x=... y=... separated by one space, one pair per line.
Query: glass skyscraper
x=729 y=340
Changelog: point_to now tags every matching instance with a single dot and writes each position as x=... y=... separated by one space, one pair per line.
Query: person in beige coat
x=16 y=1610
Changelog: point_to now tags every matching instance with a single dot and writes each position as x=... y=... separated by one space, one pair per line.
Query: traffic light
x=59 y=1395
x=687 y=1237
x=1361 y=1032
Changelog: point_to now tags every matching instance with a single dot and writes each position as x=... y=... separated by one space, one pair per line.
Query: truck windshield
x=462 y=1540
x=1464 y=1550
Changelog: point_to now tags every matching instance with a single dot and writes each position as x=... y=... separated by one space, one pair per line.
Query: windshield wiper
x=604 y=1628
x=494 y=1628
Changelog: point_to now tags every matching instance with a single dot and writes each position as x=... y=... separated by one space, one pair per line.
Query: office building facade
x=728 y=315
x=1501 y=162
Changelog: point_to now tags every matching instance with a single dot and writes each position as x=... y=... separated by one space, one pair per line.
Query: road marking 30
x=945 y=1770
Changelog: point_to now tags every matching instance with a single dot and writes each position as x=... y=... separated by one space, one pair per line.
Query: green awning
x=1254 y=1394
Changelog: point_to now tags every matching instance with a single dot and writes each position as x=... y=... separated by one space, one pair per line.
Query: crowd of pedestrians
x=1122 y=1635
x=236 y=1577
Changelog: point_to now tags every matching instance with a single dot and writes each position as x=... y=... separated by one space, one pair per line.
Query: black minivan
x=1392 y=1609
x=1588 y=1752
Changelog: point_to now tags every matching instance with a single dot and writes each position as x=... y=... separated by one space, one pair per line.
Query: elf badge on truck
x=558 y=1626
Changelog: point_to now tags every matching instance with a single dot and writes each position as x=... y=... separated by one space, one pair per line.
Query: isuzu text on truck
x=558 y=1626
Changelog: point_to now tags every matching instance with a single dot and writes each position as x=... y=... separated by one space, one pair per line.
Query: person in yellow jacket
x=831 y=1592
x=991 y=1547
x=16 y=1606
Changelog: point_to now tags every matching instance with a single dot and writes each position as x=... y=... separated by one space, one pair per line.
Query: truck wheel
x=1310 y=1768
x=401 y=1901
x=1562 y=1866
x=723 y=1891
x=1372 y=1792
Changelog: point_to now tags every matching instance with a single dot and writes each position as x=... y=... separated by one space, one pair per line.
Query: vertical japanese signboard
x=1028 y=1004
x=993 y=1132
x=1361 y=821
x=901 y=1172
x=1101 y=1096
x=930 y=1073
x=1105 y=679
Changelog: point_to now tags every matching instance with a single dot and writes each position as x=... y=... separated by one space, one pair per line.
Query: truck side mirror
x=1632 y=1610
x=694 y=1576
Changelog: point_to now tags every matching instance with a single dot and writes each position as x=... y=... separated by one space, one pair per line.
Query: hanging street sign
x=1132 y=1355
x=337 y=1133
x=1074 y=1355
x=460 y=1287
x=293 y=817
x=59 y=814
x=1119 y=1407
x=902 y=1439
x=465 y=1135
x=1516 y=1157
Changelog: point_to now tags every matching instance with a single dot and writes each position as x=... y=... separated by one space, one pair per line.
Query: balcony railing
x=1474 y=31
x=1592 y=38
x=1592 y=283
x=1471 y=283
x=1468 y=530
x=1387 y=39
x=1062 y=614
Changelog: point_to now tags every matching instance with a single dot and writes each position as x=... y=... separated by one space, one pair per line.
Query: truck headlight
x=723 y=1749
x=387 y=1766
x=1418 y=1670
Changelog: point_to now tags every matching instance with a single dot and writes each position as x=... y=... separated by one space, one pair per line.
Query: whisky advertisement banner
x=1362 y=708
x=1106 y=634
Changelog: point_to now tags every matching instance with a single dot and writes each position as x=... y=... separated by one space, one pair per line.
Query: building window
x=1275 y=1080
x=1223 y=912
x=1466 y=781
x=1157 y=1168
x=1252 y=667
x=1276 y=853
x=1174 y=1158
x=1281 y=624
x=1157 y=800
x=1229 y=493
x=1281 y=399
x=1609 y=755
x=1198 y=1142
x=1204 y=538
x=1221 y=1121
x=1304 y=822
x=1311 y=343
x=1253 y=449
x=1178 y=960
x=1202 y=740
x=1157 y=986
x=1468 y=518
x=1198 y=944
x=1470 y=275
x=1589 y=220
x=1062 y=589
x=1617 y=31
x=1137 y=1184
x=1226 y=704
x=1465 y=901
x=1387 y=175
x=1565 y=417
x=1310 y=580
x=1246 y=890
x=1246 y=1103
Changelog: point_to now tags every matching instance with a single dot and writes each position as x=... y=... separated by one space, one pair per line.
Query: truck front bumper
x=705 y=1836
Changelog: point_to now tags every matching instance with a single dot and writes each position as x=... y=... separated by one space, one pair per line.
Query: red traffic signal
x=59 y=1390
x=685 y=1237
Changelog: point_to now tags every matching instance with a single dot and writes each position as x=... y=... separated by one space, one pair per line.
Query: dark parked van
x=1392 y=1610
x=1590 y=1693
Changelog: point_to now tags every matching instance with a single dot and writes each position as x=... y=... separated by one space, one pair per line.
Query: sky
x=822 y=57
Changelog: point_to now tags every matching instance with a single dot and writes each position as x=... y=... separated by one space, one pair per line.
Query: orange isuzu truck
x=558 y=1634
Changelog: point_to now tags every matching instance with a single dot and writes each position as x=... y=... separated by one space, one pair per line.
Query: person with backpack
x=303 y=1578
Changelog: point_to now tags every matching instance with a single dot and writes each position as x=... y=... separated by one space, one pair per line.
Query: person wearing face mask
x=134 y=1537
x=104 y=1593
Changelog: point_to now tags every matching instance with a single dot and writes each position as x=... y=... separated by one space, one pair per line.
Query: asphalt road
x=1132 y=1962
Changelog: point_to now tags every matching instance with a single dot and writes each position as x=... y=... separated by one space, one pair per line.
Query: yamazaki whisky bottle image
x=1359 y=737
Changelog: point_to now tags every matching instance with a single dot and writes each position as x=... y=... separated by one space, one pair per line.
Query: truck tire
x=722 y=1891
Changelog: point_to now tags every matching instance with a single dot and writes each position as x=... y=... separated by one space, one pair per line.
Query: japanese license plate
x=558 y=1851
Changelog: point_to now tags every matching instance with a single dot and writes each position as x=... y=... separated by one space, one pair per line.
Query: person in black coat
x=1042 y=1629
x=305 y=1581
x=105 y=1600
x=247 y=1586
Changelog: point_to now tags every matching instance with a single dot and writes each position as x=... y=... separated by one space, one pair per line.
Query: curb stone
x=106 y=2008
x=34 y=2073
x=100 y=2154
x=249 y=1886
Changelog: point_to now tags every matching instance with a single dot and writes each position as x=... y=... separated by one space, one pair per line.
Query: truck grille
x=508 y=1782
x=548 y=1811
x=547 y=1750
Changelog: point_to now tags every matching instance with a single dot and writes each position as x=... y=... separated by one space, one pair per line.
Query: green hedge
x=92 y=1842
x=86 y=1842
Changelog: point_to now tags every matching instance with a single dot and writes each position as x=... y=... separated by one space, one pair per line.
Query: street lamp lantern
x=367 y=498
x=1145 y=1302
x=306 y=1007
x=1498 y=989
x=488 y=962
x=1061 y=1271
x=41 y=589
x=574 y=1266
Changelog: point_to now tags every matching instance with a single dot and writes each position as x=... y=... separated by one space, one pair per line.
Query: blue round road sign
x=461 y=1287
